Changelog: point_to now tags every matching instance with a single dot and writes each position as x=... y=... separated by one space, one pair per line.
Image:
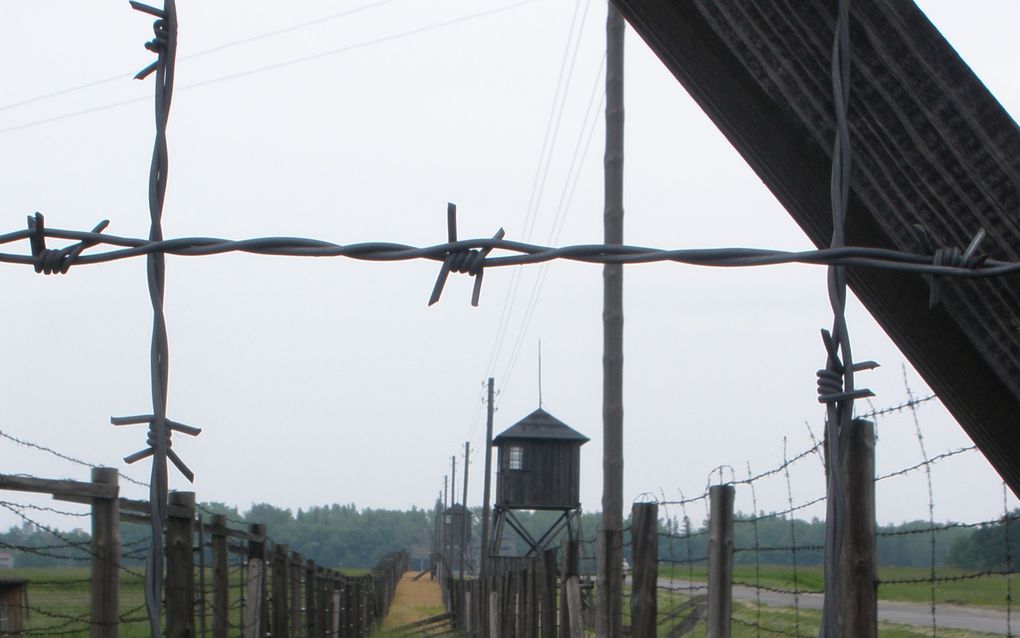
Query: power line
x=220 y=47
x=566 y=199
x=545 y=156
x=277 y=65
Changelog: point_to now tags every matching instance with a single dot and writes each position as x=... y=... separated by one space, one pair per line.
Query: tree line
x=343 y=536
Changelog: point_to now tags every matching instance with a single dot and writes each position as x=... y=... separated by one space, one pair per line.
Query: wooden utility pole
x=465 y=527
x=453 y=501
x=610 y=558
x=483 y=570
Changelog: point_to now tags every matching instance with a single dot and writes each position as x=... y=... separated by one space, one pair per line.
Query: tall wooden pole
x=483 y=567
x=465 y=527
x=483 y=570
x=453 y=501
x=610 y=570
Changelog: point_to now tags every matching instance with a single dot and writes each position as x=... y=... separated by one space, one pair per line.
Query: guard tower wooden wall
x=539 y=464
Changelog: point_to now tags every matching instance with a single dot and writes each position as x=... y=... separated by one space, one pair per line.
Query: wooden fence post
x=645 y=535
x=295 y=595
x=281 y=579
x=105 y=557
x=180 y=576
x=720 y=561
x=221 y=577
x=311 y=598
x=493 y=615
x=322 y=623
x=571 y=617
x=857 y=608
x=201 y=598
x=337 y=595
x=253 y=625
x=548 y=594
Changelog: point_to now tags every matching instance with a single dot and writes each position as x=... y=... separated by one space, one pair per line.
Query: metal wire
x=836 y=381
x=523 y=253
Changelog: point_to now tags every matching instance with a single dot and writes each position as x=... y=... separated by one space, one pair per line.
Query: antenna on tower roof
x=539 y=373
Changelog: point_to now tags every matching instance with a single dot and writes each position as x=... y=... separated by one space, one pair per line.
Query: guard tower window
x=516 y=457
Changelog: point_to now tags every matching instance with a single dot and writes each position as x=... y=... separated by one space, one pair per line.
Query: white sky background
x=329 y=380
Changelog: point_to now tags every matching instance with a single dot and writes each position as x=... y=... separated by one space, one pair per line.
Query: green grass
x=987 y=591
x=788 y=621
x=59 y=601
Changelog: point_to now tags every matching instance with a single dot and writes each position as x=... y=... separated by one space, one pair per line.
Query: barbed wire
x=946 y=579
x=947 y=526
x=769 y=630
x=471 y=250
x=934 y=459
x=911 y=403
x=66 y=457
x=42 y=508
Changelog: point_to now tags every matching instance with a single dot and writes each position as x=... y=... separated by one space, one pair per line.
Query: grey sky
x=328 y=380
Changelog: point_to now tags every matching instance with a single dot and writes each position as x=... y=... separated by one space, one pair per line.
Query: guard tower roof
x=541 y=425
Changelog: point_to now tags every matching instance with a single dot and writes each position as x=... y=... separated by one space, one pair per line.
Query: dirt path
x=414 y=600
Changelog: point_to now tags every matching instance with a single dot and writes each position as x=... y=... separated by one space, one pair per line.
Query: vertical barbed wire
x=757 y=550
x=164 y=45
x=166 y=36
x=793 y=538
x=836 y=381
x=931 y=497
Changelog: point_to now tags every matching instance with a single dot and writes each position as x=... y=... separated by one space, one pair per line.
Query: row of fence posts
x=520 y=597
x=525 y=597
x=334 y=604
x=542 y=599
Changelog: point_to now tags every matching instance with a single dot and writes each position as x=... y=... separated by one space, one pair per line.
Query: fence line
x=261 y=588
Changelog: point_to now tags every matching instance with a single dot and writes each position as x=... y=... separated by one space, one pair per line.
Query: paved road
x=917 y=614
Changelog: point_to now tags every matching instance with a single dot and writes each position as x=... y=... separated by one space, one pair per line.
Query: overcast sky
x=329 y=380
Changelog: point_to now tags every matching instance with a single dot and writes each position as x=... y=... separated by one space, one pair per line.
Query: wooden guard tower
x=539 y=468
x=457 y=535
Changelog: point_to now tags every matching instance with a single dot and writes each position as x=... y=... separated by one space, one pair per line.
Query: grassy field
x=59 y=600
x=987 y=591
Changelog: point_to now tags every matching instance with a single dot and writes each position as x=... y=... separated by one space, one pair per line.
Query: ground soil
x=414 y=600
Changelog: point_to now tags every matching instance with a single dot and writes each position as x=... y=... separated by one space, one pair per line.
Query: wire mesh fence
x=929 y=568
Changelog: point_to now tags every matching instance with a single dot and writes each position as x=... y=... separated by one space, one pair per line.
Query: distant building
x=6 y=560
